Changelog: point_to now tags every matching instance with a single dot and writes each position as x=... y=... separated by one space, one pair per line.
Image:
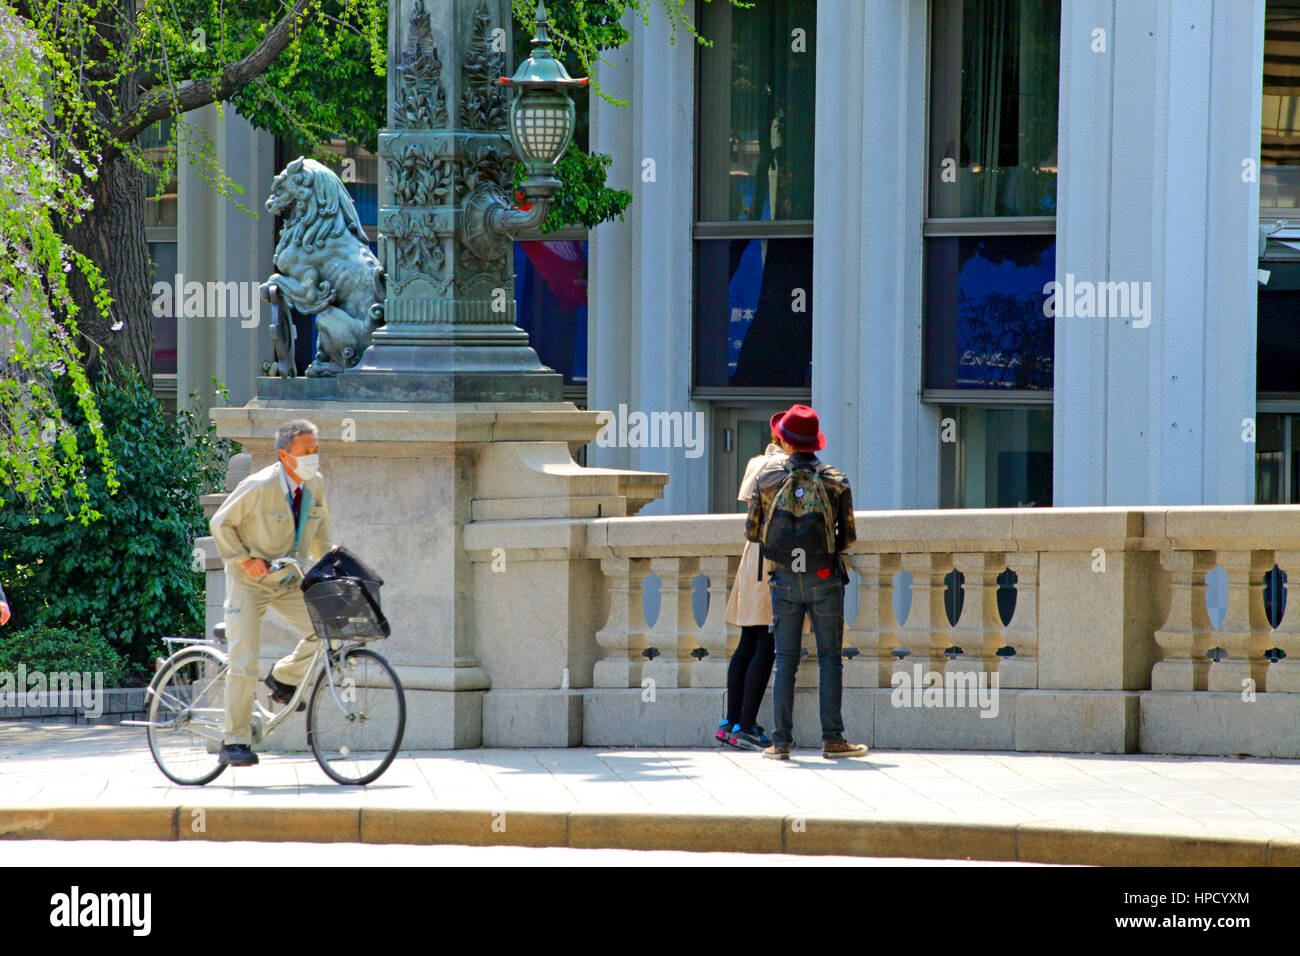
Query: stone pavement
x=76 y=782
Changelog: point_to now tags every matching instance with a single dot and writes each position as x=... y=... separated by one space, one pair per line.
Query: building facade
x=1014 y=252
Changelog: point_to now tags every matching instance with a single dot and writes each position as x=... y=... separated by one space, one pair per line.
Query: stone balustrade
x=1096 y=629
x=1092 y=623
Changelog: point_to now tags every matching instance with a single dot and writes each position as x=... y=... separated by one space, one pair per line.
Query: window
x=990 y=246
x=160 y=233
x=753 y=233
x=1279 y=154
x=551 y=298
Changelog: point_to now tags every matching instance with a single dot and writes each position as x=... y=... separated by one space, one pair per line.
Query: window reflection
x=985 y=325
x=754 y=312
x=994 y=116
x=756 y=116
x=551 y=299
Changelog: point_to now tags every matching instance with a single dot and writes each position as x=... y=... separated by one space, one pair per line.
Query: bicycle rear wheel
x=355 y=726
x=188 y=696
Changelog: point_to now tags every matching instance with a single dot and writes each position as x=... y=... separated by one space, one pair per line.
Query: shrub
x=53 y=649
x=126 y=577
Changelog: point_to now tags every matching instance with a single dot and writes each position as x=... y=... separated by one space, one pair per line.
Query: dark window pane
x=756 y=90
x=163 y=255
x=551 y=297
x=985 y=326
x=753 y=312
x=1277 y=343
x=994 y=91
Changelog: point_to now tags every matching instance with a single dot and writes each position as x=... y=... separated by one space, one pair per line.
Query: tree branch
x=160 y=103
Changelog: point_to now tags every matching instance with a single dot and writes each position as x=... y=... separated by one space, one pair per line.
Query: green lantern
x=542 y=116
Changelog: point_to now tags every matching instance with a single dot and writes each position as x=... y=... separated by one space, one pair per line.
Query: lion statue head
x=315 y=205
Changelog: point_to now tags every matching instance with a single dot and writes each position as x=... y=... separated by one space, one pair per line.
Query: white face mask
x=306 y=467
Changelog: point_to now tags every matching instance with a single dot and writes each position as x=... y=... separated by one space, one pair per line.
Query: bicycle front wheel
x=356 y=717
x=187 y=716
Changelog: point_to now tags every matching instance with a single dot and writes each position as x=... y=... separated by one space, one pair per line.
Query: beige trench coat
x=750 y=600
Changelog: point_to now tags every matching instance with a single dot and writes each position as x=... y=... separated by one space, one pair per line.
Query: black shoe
x=238 y=755
x=282 y=693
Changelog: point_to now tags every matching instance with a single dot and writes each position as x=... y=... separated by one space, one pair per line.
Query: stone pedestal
x=402 y=483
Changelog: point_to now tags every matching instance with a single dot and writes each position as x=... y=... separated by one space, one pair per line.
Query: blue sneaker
x=759 y=734
x=723 y=734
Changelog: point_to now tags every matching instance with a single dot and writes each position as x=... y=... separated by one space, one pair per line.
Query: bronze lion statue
x=324 y=265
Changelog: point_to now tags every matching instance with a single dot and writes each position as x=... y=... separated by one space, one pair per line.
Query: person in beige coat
x=749 y=607
x=277 y=512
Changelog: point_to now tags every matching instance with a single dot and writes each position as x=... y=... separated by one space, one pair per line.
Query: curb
x=812 y=835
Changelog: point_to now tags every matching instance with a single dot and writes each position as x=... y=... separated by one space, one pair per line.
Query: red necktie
x=297 y=501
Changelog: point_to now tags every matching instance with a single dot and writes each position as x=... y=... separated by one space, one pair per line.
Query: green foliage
x=584 y=199
x=127 y=577
x=60 y=649
x=44 y=173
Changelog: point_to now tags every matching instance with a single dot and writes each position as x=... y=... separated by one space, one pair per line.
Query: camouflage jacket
x=768 y=481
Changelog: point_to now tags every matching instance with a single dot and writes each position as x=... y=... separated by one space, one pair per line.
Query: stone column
x=868 y=208
x=1159 y=136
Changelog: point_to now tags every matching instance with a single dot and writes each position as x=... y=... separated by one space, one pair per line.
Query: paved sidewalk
x=58 y=781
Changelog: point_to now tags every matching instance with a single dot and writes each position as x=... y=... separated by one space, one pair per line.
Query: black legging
x=747 y=674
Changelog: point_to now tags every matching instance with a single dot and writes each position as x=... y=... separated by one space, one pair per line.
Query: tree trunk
x=112 y=235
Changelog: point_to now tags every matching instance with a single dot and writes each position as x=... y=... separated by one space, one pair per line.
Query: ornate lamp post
x=541 y=127
x=445 y=218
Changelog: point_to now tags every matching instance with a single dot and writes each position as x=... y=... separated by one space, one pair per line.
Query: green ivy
x=127 y=578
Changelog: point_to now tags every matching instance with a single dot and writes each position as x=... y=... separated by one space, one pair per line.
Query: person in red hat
x=801 y=513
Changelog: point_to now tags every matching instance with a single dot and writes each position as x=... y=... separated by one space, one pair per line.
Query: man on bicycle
x=275 y=513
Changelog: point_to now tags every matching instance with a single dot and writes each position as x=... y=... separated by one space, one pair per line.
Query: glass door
x=739 y=434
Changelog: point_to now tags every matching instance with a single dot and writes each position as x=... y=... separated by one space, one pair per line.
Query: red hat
x=800 y=428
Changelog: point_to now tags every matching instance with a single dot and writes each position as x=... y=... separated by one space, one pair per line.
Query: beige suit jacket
x=256 y=521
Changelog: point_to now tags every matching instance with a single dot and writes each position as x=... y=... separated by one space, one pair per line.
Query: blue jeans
x=795 y=593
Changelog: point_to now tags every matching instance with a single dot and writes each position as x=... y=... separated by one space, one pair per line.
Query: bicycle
x=356 y=713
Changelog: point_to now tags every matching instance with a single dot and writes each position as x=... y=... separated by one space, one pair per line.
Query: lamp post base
x=441 y=387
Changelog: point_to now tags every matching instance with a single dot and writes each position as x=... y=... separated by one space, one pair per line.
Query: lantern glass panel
x=542 y=129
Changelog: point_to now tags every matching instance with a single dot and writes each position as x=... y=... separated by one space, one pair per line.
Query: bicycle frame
x=208 y=720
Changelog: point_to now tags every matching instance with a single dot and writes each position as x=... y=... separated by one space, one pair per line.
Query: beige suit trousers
x=245 y=606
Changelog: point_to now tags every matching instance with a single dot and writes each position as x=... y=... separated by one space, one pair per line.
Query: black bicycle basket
x=342 y=595
x=346 y=609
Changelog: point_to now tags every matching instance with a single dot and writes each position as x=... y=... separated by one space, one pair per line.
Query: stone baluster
x=674 y=630
x=979 y=613
x=1019 y=670
x=1245 y=631
x=873 y=631
x=926 y=632
x=716 y=635
x=624 y=635
x=1186 y=634
x=1283 y=676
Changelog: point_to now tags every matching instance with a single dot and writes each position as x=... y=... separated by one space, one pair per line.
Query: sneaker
x=842 y=748
x=760 y=735
x=732 y=738
x=777 y=752
x=723 y=732
x=748 y=740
